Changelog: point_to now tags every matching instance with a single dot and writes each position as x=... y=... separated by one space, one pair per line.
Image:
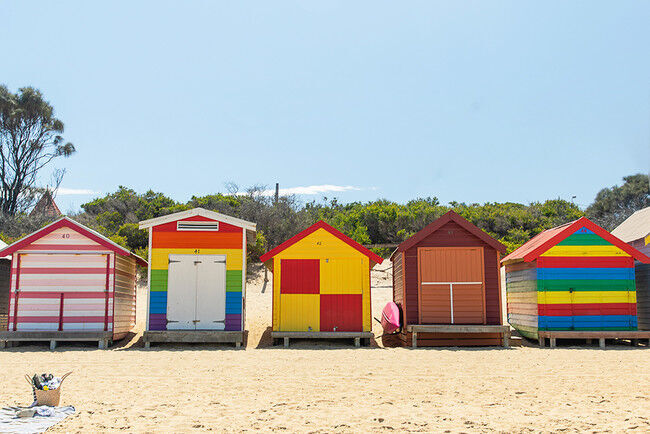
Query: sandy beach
x=333 y=387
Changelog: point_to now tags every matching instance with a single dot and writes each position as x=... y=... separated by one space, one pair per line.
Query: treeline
x=117 y=214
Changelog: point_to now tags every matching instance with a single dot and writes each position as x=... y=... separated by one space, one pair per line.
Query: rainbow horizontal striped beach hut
x=197 y=277
x=575 y=277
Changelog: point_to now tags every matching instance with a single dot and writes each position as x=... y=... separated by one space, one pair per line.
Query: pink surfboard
x=390 y=318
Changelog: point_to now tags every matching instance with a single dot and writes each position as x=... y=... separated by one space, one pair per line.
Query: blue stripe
x=158 y=302
x=586 y=321
x=584 y=231
x=233 y=303
x=586 y=273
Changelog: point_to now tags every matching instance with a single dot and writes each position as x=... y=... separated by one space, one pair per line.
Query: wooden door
x=181 y=292
x=451 y=285
x=210 y=292
x=62 y=291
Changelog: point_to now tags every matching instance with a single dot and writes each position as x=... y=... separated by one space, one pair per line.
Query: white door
x=211 y=292
x=181 y=292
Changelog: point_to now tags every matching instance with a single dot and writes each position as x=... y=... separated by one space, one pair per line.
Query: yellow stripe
x=160 y=257
x=647 y=239
x=577 y=297
x=276 y=295
x=584 y=251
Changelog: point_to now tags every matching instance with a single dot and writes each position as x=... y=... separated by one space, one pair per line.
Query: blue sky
x=467 y=101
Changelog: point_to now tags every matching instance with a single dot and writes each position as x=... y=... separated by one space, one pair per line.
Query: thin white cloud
x=74 y=191
x=311 y=190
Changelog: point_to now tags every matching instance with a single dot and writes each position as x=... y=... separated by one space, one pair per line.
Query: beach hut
x=575 y=281
x=447 y=286
x=69 y=283
x=197 y=277
x=5 y=273
x=321 y=286
x=635 y=231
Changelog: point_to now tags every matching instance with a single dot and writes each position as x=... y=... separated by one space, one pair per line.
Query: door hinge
x=198 y=262
x=196 y=320
x=171 y=261
x=169 y=320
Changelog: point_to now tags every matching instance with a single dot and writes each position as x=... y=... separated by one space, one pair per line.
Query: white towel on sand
x=10 y=423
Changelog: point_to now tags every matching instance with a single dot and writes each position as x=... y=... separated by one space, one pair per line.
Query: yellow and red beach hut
x=321 y=286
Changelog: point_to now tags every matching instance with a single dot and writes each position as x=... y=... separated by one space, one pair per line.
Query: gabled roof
x=545 y=240
x=69 y=223
x=46 y=206
x=313 y=228
x=635 y=227
x=450 y=216
x=198 y=212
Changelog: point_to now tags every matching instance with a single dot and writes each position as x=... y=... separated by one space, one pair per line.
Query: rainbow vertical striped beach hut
x=573 y=278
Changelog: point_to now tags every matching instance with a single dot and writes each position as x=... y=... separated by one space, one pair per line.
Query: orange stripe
x=197 y=240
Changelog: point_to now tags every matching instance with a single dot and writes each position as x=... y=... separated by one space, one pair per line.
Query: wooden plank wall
x=642 y=273
x=51 y=268
x=521 y=297
x=325 y=287
x=5 y=273
x=453 y=235
x=453 y=339
x=398 y=283
x=167 y=240
x=124 y=296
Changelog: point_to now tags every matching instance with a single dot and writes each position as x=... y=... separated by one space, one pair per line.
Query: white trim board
x=198 y=212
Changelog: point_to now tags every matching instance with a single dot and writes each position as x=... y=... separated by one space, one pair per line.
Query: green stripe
x=523 y=286
x=584 y=240
x=159 y=280
x=586 y=285
x=233 y=281
x=527 y=331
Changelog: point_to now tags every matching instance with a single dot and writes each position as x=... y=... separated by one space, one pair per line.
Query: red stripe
x=75 y=270
x=62 y=247
x=61 y=313
x=585 y=222
x=108 y=266
x=584 y=262
x=56 y=294
x=16 y=294
x=588 y=309
x=171 y=226
x=55 y=319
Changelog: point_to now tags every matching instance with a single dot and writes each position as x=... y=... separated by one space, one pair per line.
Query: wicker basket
x=50 y=398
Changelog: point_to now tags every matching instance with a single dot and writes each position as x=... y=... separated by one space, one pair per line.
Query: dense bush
x=117 y=214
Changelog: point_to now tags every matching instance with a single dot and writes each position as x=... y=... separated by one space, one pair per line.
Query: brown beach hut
x=447 y=286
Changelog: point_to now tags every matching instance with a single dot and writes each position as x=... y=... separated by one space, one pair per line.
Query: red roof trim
x=449 y=217
x=313 y=228
x=570 y=229
x=69 y=223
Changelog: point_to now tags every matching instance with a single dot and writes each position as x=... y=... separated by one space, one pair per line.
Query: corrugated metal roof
x=635 y=227
x=535 y=242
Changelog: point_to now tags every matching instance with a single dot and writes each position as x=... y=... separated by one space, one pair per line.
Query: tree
x=615 y=204
x=30 y=139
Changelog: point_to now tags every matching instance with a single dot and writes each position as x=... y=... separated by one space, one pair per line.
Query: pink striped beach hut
x=69 y=283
